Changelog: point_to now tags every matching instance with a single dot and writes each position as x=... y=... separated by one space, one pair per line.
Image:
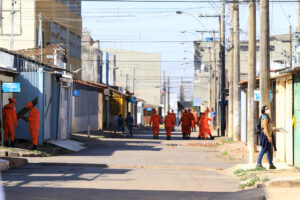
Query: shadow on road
x=39 y=193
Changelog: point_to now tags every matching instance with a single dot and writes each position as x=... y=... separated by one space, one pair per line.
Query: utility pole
x=214 y=72
x=251 y=80
x=210 y=80
x=181 y=97
x=236 y=77
x=230 y=77
x=222 y=70
x=291 y=47
x=133 y=80
x=41 y=36
x=12 y=25
x=126 y=81
x=264 y=54
x=164 y=93
x=168 y=93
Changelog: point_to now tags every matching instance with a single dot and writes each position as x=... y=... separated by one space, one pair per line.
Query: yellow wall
x=117 y=105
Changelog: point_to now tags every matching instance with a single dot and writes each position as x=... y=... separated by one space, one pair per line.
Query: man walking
x=154 y=121
x=129 y=123
x=169 y=125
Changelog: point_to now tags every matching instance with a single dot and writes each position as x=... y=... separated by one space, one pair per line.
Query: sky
x=127 y=25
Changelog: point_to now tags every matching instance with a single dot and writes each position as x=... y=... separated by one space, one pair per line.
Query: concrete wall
x=6 y=79
x=24 y=24
x=201 y=87
x=147 y=74
x=89 y=57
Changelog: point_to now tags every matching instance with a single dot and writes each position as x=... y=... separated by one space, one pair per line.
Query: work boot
x=272 y=166
x=6 y=143
x=34 y=147
x=12 y=144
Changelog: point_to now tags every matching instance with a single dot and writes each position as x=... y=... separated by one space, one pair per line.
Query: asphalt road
x=121 y=168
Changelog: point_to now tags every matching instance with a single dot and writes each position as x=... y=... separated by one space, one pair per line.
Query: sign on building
x=11 y=87
x=197 y=101
x=76 y=93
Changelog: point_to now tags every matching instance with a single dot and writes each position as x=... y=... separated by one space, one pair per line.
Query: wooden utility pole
x=291 y=47
x=264 y=54
x=164 y=93
x=236 y=77
x=214 y=89
x=168 y=93
x=222 y=77
x=230 y=77
x=181 y=97
x=210 y=103
x=251 y=81
x=41 y=36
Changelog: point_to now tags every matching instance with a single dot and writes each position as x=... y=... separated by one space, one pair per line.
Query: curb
x=4 y=165
x=284 y=183
x=13 y=162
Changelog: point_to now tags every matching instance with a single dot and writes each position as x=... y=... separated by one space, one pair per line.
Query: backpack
x=258 y=128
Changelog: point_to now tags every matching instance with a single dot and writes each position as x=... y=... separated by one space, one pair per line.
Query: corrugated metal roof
x=44 y=65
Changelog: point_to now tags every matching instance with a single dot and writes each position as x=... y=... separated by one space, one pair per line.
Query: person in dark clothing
x=121 y=123
x=129 y=123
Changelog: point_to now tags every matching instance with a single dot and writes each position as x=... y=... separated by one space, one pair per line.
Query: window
x=244 y=48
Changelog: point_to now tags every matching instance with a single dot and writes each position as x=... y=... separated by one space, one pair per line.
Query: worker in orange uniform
x=206 y=128
x=186 y=123
x=173 y=120
x=33 y=119
x=194 y=120
x=154 y=121
x=169 y=125
x=10 y=122
x=201 y=135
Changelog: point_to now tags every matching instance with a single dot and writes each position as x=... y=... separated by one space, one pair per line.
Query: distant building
x=139 y=72
x=91 y=59
x=61 y=23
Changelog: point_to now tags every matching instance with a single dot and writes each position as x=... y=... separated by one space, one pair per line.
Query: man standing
x=169 y=125
x=129 y=123
x=194 y=120
x=154 y=121
x=33 y=119
x=186 y=123
x=206 y=128
x=10 y=121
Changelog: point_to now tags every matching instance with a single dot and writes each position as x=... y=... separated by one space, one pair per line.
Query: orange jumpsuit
x=200 y=124
x=186 y=123
x=155 y=120
x=206 y=128
x=173 y=119
x=169 y=124
x=34 y=116
x=10 y=121
x=194 y=120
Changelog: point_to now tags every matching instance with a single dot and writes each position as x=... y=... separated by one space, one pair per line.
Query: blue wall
x=31 y=87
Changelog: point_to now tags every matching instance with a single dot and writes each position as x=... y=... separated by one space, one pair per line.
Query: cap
x=12 y=100
x=29 y=104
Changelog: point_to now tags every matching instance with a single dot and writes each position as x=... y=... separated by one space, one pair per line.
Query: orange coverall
x=10 y=120
x=154 y=121
x=173 y=119
x=200 y=124
x=169 y=124
x=205 y=127
x=34 y=118
x=186 y=123
x=194 y=120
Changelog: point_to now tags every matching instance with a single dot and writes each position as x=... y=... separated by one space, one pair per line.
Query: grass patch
x=225 y=153
x=266 y=179
x=227 y=141
x=250 y=183
x=240 y=172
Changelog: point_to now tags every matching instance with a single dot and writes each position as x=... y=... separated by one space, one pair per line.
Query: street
x=135 y=168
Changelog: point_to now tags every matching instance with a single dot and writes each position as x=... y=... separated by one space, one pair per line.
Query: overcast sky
x=113 y=23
